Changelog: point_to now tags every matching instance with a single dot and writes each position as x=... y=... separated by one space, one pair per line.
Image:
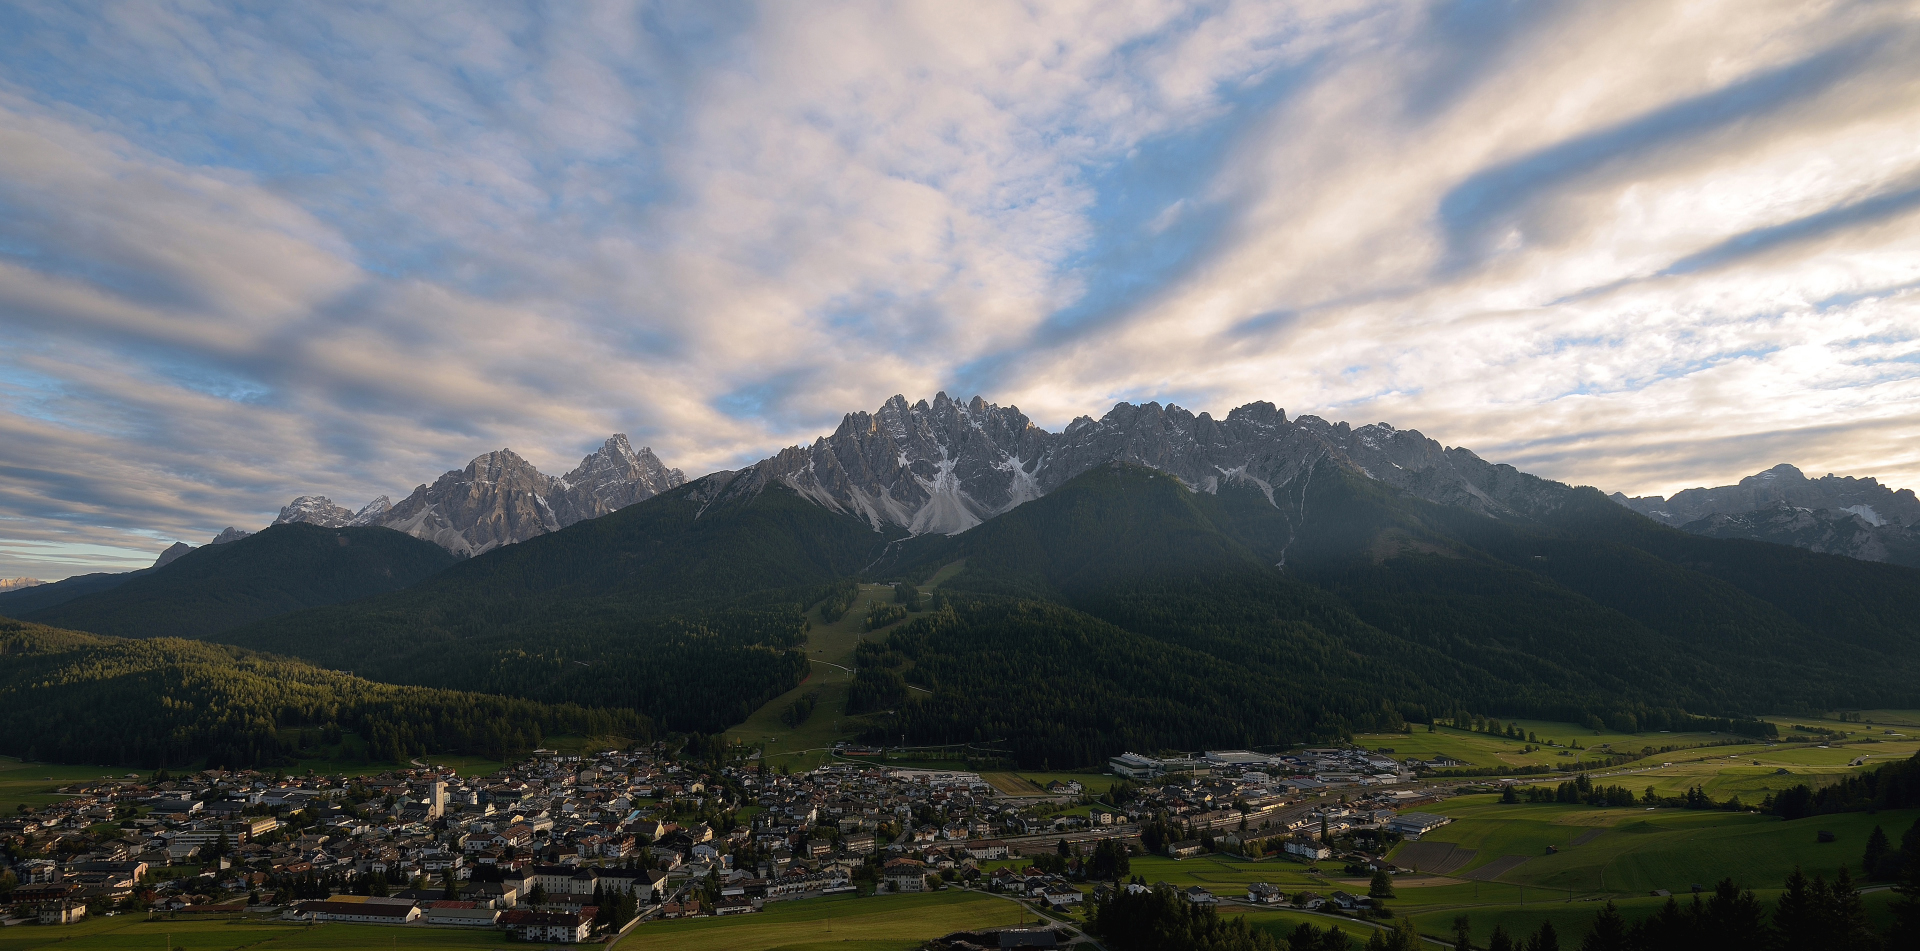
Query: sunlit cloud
x=254 y=252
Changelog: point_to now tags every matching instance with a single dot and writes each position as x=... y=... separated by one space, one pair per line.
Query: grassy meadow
x=133 y=933
x=1631 y=851
x=878 y=923
x=830 y=647
x=33 y=784
x=1488 y=751
x=1035 y=784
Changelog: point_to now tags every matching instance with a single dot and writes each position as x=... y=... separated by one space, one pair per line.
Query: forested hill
x=84 y=698
x=25 y=601
x=1124 y=610
x=284 y=568
x=682 y=607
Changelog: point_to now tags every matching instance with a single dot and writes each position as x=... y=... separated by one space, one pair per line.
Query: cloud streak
x=249 y=252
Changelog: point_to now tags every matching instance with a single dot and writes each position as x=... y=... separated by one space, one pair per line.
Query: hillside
x=1125 y=610
x=679 y=607
x=218 y=587
x=84 y=698
x=24 y=601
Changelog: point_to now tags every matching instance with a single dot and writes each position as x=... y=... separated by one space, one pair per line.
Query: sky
x=254 y=251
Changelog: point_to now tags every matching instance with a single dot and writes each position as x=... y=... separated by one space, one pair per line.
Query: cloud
x=251 y=252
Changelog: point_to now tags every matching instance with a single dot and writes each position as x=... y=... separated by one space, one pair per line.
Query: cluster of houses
x=528 y=849
x=1291 y=802
x=541 y=848
x=535 y=849
x=1302 y=771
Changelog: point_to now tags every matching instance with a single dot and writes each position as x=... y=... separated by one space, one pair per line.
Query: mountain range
x=500 y=498
x=1859 y=518
x=1151 y=579
x=946 y=466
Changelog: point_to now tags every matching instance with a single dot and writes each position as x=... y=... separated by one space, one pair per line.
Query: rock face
x=1834 y=531
x=500 y=498
x=231 y=534
x=614 y=477
x=315 y=510
x=945 y=466
x=17 y=584
x=1840 y=515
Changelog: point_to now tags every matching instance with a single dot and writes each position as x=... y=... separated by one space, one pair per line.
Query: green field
x=1488 y=751
x=1627 y=852
x=34 y=783
x=1227 y=876
x=880 y=923
x=1035 y=784
x=830 y=647
x=131 y=933
x=1751 y=772
x=1282 y=923
x=1572 y=920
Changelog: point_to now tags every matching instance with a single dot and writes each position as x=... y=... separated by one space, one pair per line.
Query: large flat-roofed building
x=1416 y=823
x=375 y=912
x=1135 y=766
x=1238 y=759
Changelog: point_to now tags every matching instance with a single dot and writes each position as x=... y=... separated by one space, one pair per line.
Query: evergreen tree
x=1401 y=937
x=1500 y=940
x=1906 y=908
x=1546 y=939
x=1876 y=854
x=1797 y=914
x=1462 y=933
x=1668 y=929
x=1848 y=916
x=1733 y=920
x=1609 y=932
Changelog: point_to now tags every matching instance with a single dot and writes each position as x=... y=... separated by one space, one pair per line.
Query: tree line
x=77 y=697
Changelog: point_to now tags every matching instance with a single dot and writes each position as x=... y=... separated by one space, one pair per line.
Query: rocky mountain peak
x=944 y=466
x=16 y=584
x=1785 y=483
x=315 y=510
x=499 y=498
x=1842 y=515
x=1784 y=472
x=614 y=477
x=172 y=554
x=231 y=534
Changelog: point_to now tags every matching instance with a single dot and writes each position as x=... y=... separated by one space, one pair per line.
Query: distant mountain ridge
x=944 y=466
x=1155 y=578
x=500 y=499
x=1841 y=515
x=202 y=591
